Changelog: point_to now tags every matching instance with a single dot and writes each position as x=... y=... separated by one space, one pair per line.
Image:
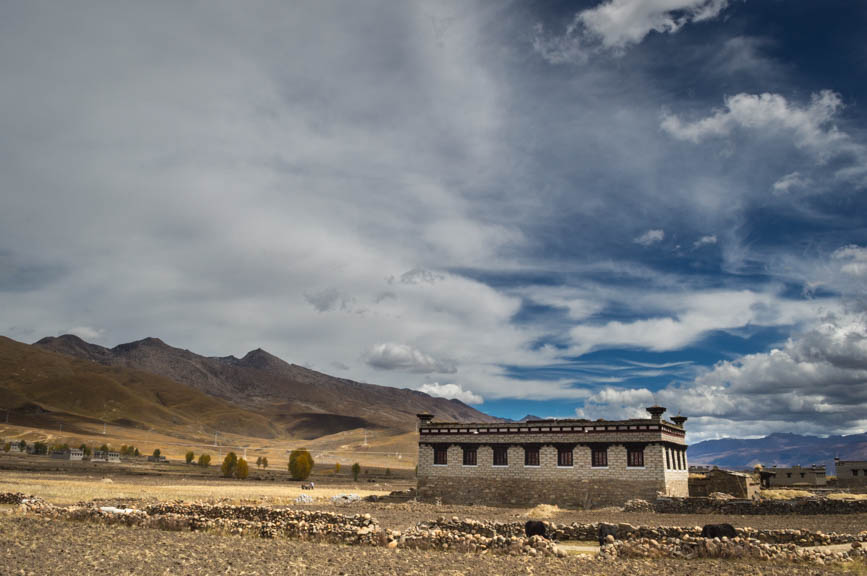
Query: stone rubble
x=455 y=534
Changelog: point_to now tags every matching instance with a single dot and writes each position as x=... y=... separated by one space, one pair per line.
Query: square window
x=531 y=456
x=599 y=457
x=501 y=455
x=469 y=455
x=635 y=457
x=441 y=456
x=564 y=456
x=854 y=472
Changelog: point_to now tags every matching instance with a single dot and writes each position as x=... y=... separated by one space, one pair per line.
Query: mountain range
x=148 y=383
x=780 y=449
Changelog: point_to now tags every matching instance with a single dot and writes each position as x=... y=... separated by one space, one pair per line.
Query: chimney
x=679 y=420
x=656 y=413
x=424 y=418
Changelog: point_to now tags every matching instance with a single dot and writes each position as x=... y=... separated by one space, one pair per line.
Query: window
x=802 y=474
x=441 y=456
x=854 y=472
x=469 y=455
x=599 y=457
x=668 y=458
x=501 y=455
x=635 y=457
x=531 y=456
x=788 y=474
x=564 y=456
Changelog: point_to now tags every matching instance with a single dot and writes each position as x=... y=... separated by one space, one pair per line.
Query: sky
x=565 y=209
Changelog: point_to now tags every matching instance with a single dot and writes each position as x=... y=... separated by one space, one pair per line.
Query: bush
x=300 y=464
x=189 y=457
x=264 y=462
x=356 y=469
x=241 y=469
x=229 y=464
x=204 y=460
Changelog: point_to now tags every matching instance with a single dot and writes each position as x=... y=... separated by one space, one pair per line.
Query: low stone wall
x=808 y=506
x=524 y=493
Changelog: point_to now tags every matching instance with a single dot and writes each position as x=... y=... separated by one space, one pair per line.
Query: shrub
x=300 y=464
x=264 y=462
x=241 y=469
x=204 y=460
x=356 y=469
x=229 y=464
x=189 y=457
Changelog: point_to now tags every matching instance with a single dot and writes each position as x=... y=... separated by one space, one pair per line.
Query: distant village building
x=159 y=459
x=566 y=462
x=795 y=476
x=14 y=445
x=103 y=456
x=71 y=454
x=851 y=473
x=737 y=484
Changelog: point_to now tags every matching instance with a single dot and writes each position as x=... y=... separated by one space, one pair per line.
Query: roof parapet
x=656 y=412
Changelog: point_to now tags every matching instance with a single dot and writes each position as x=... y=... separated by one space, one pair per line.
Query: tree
x=7 y=447
x=189 y=457
x=337 y=468
x=229 y=464
x=157 y=453
x=137 y=453
x=103 y=448
x=85 y=450
x=356 y=469
x=241 y=470
x=40 y=448
x=123 y=450
x=388 y=471
x=300 y=464
x=259 y=462
x=204 y=460
x=22 y=445
x=265 y=462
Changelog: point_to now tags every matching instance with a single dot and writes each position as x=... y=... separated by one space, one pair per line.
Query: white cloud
x=391 y=356
x=853 y=258
x=85 y=332
x=790 y=181
x=689 y=317
x=451 y=391
x=616 y=24
x=708 y=240
x=650 y=237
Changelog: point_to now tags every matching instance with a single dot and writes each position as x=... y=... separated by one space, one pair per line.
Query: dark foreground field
x=36 y=546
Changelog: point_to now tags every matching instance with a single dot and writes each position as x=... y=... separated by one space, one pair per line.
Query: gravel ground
x=37 y=546
x=403 y=515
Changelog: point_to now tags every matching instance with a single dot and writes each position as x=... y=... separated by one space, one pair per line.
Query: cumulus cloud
x=650 y=237
x=390 y=356
x=707 y=240
x=451 y=391
x=616 y=24
x=328 y=299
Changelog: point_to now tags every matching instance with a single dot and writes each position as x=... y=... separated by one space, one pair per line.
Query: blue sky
x=558 y=208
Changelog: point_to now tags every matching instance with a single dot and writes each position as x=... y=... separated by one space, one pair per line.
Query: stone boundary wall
x=623 y=531
x=807 y=506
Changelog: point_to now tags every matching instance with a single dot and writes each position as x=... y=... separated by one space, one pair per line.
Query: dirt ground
x=35 y=546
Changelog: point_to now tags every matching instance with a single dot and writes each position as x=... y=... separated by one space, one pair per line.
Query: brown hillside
x=300 y=401
x=34 y=380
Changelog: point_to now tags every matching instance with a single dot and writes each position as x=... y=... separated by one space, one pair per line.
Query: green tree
x=241 y=469
x=7 y=447
x=189 y=457
x=123 y=450
x=337 y=467
x=265 y=462
x=22 y=445
x=40 y=448
x=388 y=471
x=356 y=469
x=204 y=460
x=300 y=464
x=137 y=453
x=157 y=453
x=229 y=464
x=259 y=462
x=104 y=448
